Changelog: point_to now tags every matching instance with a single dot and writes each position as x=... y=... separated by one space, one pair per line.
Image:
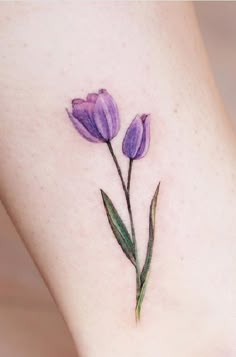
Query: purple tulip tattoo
x=97 y=119
x=137 y=138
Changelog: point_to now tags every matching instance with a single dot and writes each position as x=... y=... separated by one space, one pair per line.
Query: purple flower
x=137 y=138
x=97 y=117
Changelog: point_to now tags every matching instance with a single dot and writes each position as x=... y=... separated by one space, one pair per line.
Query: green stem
x=127 y=197
x=129 y=174
x=138 y=281
x=118 y=168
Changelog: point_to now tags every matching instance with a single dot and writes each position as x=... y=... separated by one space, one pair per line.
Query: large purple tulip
x=97 y=117
x=137 y=138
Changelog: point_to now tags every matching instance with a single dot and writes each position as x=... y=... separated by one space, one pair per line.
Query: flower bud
x=137 y=138
x=97 y=117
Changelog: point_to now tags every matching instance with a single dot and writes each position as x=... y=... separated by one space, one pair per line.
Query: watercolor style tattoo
x=97 y=120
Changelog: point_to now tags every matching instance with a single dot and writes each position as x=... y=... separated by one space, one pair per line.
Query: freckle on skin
x=176 y=108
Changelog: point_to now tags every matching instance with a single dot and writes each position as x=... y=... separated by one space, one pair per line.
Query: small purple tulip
x=97 y=117
x=137 y=138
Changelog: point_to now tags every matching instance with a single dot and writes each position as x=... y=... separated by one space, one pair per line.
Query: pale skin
x=151 y=58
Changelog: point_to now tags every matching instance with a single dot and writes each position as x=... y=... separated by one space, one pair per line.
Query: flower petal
x=92 y=97
x=77 y=101
x=82 y=129
x=84 y=113
x=133 y=138
x=106 y=115
x=145 y=142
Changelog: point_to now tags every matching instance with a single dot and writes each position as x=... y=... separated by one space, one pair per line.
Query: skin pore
x=151 y=59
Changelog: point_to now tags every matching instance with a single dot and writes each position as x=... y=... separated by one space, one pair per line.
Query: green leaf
x=146 y=267
x=118 y=228
x=152 y=216
x=140 y=299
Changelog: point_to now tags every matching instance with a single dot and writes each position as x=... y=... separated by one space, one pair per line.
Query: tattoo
x=97 y=120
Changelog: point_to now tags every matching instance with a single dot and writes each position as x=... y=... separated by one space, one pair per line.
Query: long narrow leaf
x=140 y=299
x=118 y=228
x=152 y=216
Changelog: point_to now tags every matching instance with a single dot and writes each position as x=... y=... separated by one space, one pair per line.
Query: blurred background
x=30 y=324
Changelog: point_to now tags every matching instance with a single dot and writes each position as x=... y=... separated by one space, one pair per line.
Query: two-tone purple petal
x=137 y=138
x=106 y=115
